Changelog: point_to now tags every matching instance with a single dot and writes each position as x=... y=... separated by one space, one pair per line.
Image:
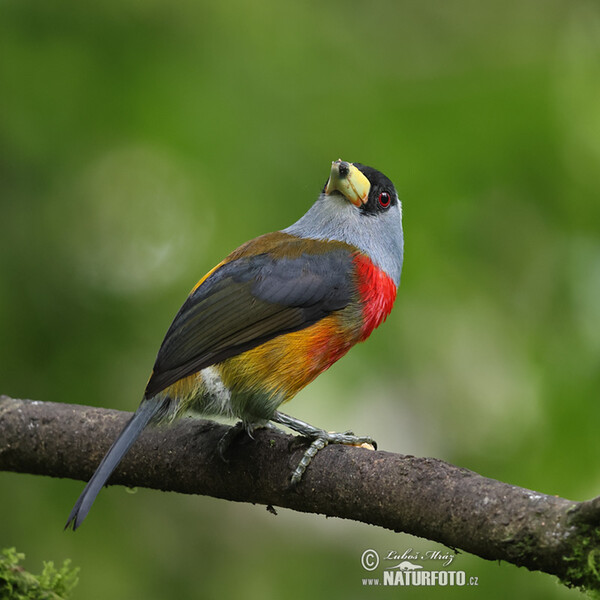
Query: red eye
x=384 y=199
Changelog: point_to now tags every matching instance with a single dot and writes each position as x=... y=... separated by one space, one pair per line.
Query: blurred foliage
x=142 y=141
x=18 y=584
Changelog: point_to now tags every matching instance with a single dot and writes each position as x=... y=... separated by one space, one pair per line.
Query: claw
x=320 y=442
x=316 y=445
x=320 y=439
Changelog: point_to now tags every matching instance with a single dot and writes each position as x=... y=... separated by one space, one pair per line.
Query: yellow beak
x=348 y=180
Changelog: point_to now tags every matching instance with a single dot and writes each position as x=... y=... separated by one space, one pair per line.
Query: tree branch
x=421 y=496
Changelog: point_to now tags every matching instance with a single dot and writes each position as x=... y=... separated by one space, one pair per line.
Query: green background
x=142 y=140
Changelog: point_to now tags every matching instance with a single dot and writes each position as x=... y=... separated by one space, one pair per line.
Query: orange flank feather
x=281 y=367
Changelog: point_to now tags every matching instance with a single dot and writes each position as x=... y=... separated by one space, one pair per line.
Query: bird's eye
x=384 y=199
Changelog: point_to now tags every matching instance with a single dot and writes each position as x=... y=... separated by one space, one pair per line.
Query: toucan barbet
x=273 y=315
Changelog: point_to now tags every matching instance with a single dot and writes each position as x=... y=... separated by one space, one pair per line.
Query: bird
x=273 y=315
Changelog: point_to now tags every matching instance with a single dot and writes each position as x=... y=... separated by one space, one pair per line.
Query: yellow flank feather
x=185 y=388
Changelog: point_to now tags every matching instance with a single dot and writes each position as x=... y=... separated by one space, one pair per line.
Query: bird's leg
x=320 y=438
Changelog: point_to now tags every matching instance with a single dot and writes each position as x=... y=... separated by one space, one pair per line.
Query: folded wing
x=252 y=299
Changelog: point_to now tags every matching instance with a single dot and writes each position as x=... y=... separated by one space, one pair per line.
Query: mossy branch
x=17 y=584
x=425 y=497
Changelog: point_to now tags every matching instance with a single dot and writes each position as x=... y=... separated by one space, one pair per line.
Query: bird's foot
x=324 y=439
x=319 y=439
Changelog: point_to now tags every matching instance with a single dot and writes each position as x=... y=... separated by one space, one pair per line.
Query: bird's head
x=359 y=206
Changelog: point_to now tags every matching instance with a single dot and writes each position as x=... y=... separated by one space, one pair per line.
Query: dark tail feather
x=113 y=457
